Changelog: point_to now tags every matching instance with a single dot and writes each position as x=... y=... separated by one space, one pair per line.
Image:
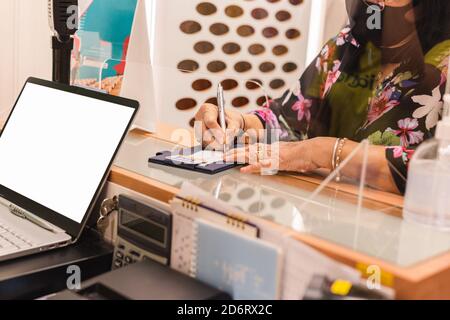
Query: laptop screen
x=57 y=146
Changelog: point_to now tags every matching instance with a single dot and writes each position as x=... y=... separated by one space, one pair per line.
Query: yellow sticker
x=375 y=273
x=341 y=288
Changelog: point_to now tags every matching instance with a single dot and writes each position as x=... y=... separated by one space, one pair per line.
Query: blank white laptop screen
x=57 y=147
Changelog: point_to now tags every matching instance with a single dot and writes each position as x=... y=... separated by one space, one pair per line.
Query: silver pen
x=15 y=210
x=221 y=107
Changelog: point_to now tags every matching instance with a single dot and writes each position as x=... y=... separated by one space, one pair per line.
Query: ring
x=260 y=153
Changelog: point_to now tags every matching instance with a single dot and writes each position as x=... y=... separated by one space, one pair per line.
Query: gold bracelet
x=333 y=157
x=338 y=157
x=244 y=124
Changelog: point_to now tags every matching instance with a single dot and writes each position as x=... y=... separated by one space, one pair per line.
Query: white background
x=57 y=147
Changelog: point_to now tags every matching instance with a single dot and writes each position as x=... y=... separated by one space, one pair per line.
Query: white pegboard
x=174 y=46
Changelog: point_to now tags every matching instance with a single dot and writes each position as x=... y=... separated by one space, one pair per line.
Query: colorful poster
x=101 y=43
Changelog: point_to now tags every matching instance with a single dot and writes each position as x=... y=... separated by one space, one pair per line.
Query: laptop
x=56 y=150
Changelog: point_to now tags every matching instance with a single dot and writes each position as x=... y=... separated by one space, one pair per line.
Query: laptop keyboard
x=11 y=239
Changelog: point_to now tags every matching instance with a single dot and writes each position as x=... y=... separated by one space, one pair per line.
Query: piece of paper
x=198 y=158
x=303 y=262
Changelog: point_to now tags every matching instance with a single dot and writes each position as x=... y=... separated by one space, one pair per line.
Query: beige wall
x=335 y=17
x=25 y=49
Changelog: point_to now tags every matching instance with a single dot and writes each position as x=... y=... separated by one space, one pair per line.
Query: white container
x=427 y=199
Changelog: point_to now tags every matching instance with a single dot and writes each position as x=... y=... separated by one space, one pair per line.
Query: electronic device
x=144 y=231
x=56 y=150
x=145 y=280
x=63 y=21
x=324 y=288
x=185 y=159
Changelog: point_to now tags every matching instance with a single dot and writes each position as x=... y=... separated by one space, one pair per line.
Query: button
x=121 y=246
x=128 y=259
x=134 y=253
x=118 y=263
x=119 y=255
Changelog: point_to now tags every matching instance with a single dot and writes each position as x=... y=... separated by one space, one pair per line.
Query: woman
x=382 y=78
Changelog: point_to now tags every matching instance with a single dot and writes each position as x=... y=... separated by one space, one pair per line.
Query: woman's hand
x=212 y=135
x=309 y=155
x=283 y=156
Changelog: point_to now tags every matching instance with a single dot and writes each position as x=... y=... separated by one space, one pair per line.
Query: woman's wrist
x=323 y=152
x=251 y=121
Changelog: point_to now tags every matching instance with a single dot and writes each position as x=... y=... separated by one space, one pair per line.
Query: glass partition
x=371 y=96
x=333 y=213
x=381 y=78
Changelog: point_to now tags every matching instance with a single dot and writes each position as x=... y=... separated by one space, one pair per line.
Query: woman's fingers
x=249 y=155
x=210 y=119
x=257 y=167
x=212 y=134
x=239 y=155
x=253 y=168
x=233 y=130
x=210 y=142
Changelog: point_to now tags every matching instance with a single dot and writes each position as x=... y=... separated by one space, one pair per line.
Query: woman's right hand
x=212 y=135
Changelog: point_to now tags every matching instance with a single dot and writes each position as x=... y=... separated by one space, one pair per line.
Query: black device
x=162 y=158
x=63 y=21
x=144 y=232
x=36 y=276
x=50 y=207
x=324 y=288
x=146 y=280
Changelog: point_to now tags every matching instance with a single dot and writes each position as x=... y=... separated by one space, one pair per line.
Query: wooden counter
x=426 y=280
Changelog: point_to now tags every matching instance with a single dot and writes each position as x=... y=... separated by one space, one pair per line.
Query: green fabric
x=350 y=95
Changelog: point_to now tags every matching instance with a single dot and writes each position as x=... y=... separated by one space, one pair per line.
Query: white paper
x=201 y=157
x=303 y=262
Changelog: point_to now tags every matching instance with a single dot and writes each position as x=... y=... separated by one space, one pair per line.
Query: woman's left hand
x=281 y=156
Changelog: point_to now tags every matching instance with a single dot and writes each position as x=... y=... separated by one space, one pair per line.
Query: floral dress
x=342 y=95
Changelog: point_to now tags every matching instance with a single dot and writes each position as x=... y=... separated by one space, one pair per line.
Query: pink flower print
x=402 y=152
x=303 y=108
x=332 y=77
x=380 y=105
x=345 y=36
x=406 y=132
x=342 y=36
x=322 y=60
x=268 y=117
x=398 y=152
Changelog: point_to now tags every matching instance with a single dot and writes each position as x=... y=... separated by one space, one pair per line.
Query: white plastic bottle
x=427 y=199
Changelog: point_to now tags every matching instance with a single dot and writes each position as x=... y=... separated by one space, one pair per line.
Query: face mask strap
x=381 y=5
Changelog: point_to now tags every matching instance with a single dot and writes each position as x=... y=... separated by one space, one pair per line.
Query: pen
x=26 y=215
x=221 y=106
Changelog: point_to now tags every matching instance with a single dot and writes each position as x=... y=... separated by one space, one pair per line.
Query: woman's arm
x=317 y=153
x=379 y=174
